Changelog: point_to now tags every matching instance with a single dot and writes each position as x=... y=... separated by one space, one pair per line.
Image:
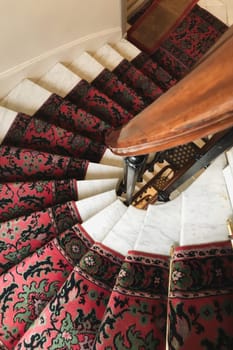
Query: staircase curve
x=79 y=269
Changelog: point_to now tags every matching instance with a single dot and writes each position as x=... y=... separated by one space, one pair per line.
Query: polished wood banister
x=199 y=105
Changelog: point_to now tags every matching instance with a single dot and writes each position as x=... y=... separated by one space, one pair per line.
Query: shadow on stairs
x=79 y=269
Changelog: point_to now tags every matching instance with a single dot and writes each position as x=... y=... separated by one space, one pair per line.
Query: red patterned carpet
x=59 y=289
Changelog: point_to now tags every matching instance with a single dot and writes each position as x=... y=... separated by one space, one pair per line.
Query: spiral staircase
x=68 y=241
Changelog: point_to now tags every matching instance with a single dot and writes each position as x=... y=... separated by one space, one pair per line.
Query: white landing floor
x=223 y=9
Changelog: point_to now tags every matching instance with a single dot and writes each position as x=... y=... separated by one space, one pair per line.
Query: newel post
x=134 y=168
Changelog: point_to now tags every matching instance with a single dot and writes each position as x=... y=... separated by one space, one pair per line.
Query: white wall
x=36 y=33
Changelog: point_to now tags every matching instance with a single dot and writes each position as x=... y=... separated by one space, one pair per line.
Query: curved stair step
x=111 y=159
x=105 y=257
x=21 y=236
x=87 y=67
x=88 y=207
x=7 y=117
x=144 y=62
x=126 y=49
x=228 y=177
x=32 y=99
x=229 y=155
x=19 y=164
x=73 y=240
x=206 y=207
x=165 y=219
x=102 y=171
x=174 y=53
x=138 y=300
x=88 y=188
x=170 y=63
x=23 y=198
x=108 y=57
x=41 y=135
x=59 y=80
x=228 y=174
x=56 y=110
x=126 y=72
x=63 y=82
x=55 y=261
x=99 y=225
x=26 y=97
x=56 y=278
x=161 y=229
x=123 y=235
x=29 y=98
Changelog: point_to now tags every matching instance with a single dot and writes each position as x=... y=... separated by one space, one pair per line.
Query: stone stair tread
x=126 y=49
x=57 y=110
x=86 y=96
x=27 y=97
x=86 y=66
x=155 y=243
x=13 y=158
x=123 y=235
x=41 y=135
x=159 y=234
x=99 y=225
x=228 y=176
x=7 y=118
x=111 y=159
x=24 y=164
x=88 y=207
x=206 y=207
x=128 y=73
x=24 y=198
x=102 y=171
x=165 y=219
x=88 y=188
x=108 y=57
x=229 y=155
x=59 y=80
x=145 y=64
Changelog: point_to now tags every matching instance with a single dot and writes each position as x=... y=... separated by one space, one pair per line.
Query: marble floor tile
x=222 y=9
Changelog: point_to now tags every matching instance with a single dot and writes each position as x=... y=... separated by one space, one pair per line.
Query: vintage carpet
x=155 y=24
x=59 y=289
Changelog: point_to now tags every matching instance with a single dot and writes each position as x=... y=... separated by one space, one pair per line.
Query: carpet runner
x=201 y=297
x=21 y=198
x=79 y=270
x=158 y=20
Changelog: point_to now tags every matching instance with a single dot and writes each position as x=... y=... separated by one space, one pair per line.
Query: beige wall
x=36 y=33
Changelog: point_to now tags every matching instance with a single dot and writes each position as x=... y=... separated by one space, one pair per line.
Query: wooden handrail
x=199 y=105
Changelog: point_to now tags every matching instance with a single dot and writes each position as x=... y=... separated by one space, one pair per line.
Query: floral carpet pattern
x=59 y=289
x=200 y=307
